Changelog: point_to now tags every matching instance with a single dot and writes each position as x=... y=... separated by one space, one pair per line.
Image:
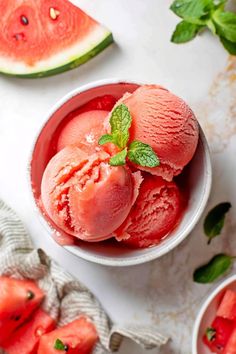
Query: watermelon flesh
x=44 y=37
x=227 y=308
x=223 y=329
x=26 y=338
x=18 y=300
x=78 y=336
x=231 y=345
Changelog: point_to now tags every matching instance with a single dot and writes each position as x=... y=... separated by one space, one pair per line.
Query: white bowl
x=198 y=177
x=207 y=314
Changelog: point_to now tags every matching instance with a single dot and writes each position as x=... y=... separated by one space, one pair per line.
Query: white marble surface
x=162 y=292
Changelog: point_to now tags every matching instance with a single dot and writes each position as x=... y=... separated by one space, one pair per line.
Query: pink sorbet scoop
x=167 y=124
x=154 y=215
x=84 y=131
x=86 y=197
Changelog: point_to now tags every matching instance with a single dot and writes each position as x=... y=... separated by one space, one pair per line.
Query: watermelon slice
x=78 y=336
x=26 y=338
x=18 y=299
x=216 y=337
x=227 y=308
x=46 y=37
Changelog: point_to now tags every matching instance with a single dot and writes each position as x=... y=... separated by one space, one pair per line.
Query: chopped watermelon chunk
x=18 y=299
x=227 y=308
x=78 y=336
x=231 y=345
x=26 y=338
x=217 y=336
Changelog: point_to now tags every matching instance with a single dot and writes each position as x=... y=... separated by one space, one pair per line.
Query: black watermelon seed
x=15 y=317
x=30 y=295
x=24 y=20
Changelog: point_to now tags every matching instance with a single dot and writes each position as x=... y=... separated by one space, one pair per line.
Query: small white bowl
x=207 y=314
x=198 y=177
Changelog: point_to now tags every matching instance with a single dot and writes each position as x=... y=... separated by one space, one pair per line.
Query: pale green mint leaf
x=215 y=219
x=59 y=345
x=229 y=46
x=211 y=271
x=191 y=10
x=107 y=138
x=119 y=159
x=121 y=139
x=142 y=154
x=120 y=122
x=210 y=24
x=185 y=32
x=225 y=24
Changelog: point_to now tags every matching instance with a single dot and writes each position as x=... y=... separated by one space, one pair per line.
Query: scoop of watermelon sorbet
x=85 y=196
x=83 y=130
x=155 y=213
x=167 y=124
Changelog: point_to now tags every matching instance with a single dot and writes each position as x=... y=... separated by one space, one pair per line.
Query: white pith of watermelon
x=69 y=54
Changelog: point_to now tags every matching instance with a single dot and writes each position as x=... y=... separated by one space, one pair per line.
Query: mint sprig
x=199 y=14
x=138 y=152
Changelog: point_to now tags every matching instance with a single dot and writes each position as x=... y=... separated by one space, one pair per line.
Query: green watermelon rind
x=72 y=63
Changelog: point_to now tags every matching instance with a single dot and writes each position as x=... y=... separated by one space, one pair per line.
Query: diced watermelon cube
x=18 y=299
x=78 y=336
x=231 y=345
x=227 y=308
x=216 y=337
x=26 y=338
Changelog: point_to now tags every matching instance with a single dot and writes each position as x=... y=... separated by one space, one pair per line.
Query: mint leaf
x=210 y=334
x=225 y=24
x=59 y=345
x=210 y=24
x=121 y=139
x=215 y=219
x=120 y=122
x=220 y=4
x=119 y=159
x=185 y=32
x=107 y=138
x=191 y=10
x=142 y=154
x=229 y=46
x=211 y=271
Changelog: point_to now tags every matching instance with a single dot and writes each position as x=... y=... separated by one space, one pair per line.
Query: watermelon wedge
x=78 y=336
x=46 y=37
x=18 y=299
x=26 y=338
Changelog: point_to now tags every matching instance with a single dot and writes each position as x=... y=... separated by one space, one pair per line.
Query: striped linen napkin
x=66 y=297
